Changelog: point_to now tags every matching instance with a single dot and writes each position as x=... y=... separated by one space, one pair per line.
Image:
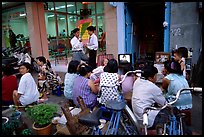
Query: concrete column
x=37 y=29
x=111 y=29
x=121 y=27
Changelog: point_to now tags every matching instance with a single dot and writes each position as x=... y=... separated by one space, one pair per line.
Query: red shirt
x=9 y=84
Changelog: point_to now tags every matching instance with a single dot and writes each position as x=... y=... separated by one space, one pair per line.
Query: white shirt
x=145 y=94
x=93 y=42
x=28 y=88
x=184 y=71
x=76 y=44
x=96 y=72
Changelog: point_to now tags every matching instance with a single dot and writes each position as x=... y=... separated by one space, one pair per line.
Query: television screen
x=124 y=59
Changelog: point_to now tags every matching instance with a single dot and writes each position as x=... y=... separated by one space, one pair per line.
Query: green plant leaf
x=84 y=27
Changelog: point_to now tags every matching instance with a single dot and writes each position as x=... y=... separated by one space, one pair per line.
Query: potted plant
x=9 y=126
x=42 y=115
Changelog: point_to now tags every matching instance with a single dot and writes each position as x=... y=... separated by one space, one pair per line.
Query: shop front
x=49 y=24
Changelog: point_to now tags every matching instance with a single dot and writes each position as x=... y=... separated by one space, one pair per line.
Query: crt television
x=125 y=59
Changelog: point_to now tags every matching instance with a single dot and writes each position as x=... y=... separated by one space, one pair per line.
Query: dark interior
x=148 y=18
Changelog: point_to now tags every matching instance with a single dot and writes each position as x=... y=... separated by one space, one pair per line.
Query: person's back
x=109 y=87
x=9 y=84
x=70 y=78
x=109 y=82
x=147 y=94
x=85 y=87
x=81 y=88
x=175 y=81
x=178 y=82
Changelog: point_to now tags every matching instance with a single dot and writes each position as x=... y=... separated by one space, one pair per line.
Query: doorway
x=146 y=19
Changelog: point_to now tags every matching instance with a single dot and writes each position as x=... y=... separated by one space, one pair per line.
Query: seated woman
x=173 y=82
x=9 y=84
x=108 y=82
x=27 y=92
x=85 y=87
x=127 y=85
x=52 y=79
x=97 y=71
x=70 y=76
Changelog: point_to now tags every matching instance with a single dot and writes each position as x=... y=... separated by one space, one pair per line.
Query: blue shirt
x=178 y=82
x=68 y=84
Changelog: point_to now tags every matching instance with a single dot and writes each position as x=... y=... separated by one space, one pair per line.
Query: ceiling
x=7 y=5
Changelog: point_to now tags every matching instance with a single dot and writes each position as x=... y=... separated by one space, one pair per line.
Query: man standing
x=77 y=47
x=92 y=46
x=12 y=37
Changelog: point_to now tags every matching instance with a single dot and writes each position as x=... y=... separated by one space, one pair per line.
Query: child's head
x=149 y=73
x=112 y=66
x=76 y=32
x=172 y=67
x=91 y=29
x=73 y=65
x=41 y=60
x=177 y=55
x=24 y=68
x=84 y=70
x=105 y=61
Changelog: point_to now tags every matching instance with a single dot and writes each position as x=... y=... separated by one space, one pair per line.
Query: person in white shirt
x=27 y=92
x=92 y=45
x=147 y=94
x=100 y=69
x=77 y=47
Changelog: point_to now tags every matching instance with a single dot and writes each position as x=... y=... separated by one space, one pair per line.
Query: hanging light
x=86 y=2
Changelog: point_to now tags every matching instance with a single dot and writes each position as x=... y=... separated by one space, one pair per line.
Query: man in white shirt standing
x=92 y=45
x=77 y=47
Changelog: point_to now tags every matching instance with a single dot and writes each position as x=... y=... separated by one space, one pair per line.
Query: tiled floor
x=61 y=65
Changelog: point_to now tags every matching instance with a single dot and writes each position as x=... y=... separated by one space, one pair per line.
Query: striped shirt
x=82 y=89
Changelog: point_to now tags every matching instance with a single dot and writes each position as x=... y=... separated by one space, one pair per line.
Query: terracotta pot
x=44 y=130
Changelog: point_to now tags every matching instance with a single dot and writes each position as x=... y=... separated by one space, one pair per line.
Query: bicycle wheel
x=128 y=122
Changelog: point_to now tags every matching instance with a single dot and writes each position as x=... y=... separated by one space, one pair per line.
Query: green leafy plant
x=42 y=114
x=9 y=127
x=26 y=132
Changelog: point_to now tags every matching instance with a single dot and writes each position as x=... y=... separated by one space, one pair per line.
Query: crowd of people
x=98 y=84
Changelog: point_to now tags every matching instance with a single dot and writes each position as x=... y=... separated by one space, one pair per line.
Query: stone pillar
x=111 y=30
x=37 y=29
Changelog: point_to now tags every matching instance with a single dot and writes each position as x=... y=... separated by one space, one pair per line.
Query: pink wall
x=37 y=29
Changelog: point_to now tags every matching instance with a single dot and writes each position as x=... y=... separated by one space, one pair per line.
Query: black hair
x=8 y=70
x=75 y=30
x=44 y=60
x=112 y=66
x=149 y=71
x=73 y=65
x=183 y=51
x=91 y=28
x=27 y=65
x=128 y=68
x=84 y=69
x=173 y=67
